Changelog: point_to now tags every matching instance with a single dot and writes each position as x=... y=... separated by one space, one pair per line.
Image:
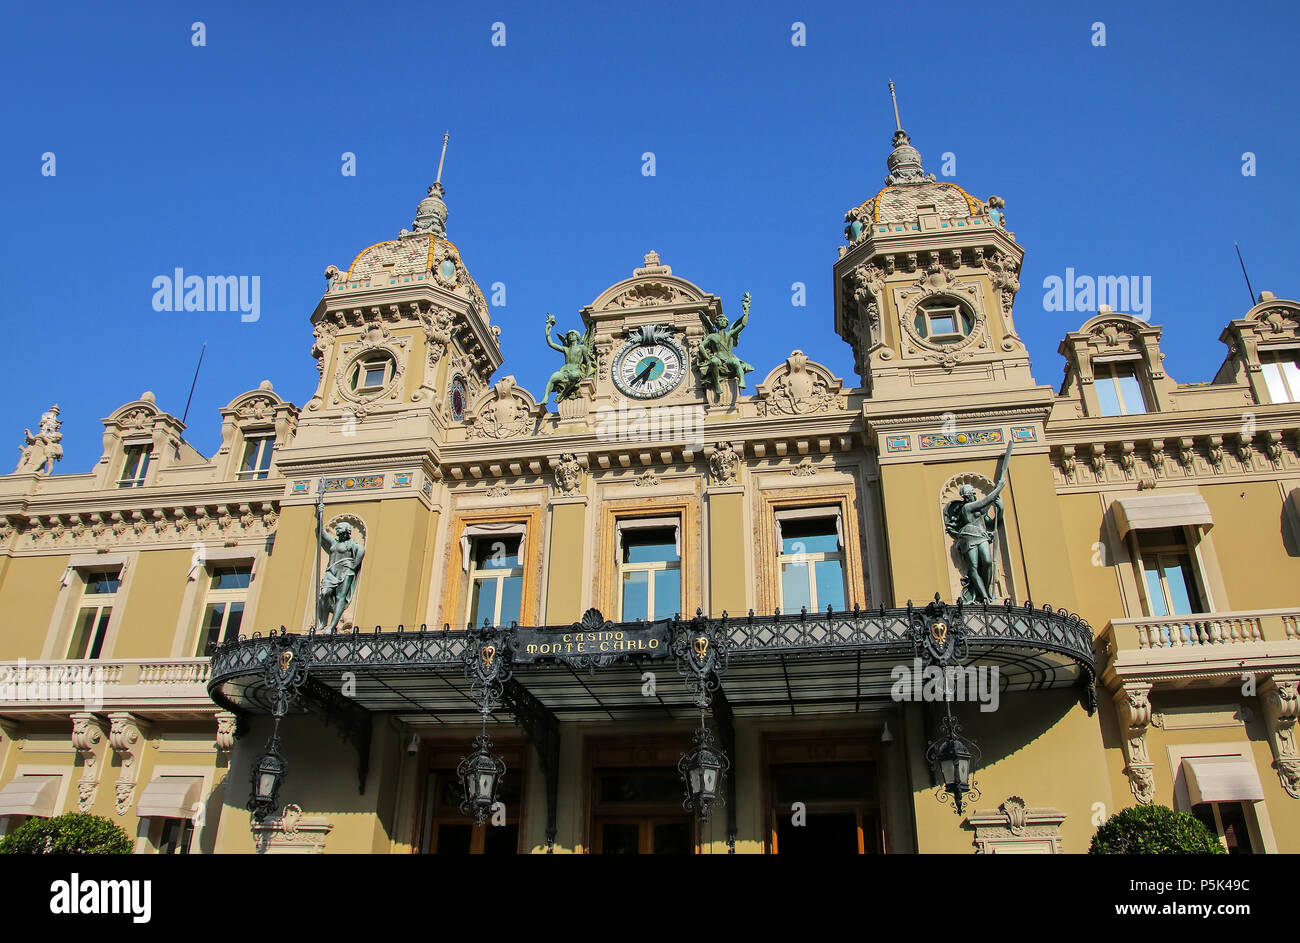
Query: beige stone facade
x=1165 y=514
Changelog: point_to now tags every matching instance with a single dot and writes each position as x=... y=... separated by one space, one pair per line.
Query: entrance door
x=445 y=830
x=823 y=797
x=638 y=811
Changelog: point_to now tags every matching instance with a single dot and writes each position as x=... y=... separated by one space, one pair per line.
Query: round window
x=943 y=321
x=456 y=398
x=447 y=270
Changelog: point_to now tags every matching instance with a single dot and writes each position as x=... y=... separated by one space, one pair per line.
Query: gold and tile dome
x=908 y=192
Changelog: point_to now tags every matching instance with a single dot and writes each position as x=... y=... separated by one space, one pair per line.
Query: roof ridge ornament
x=904 y=160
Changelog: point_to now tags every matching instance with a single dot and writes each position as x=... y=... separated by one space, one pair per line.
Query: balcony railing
x=95 y=684
x=1205 y=629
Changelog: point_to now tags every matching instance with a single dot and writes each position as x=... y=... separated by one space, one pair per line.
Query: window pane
x=512 y=588
x=1155 y=590
x=810 y=536
x=943 y=324
x=101 y=631
x=81 y=635
x=650 y=546
x=1182 y=586
x=668 y=593
x=483 y=602
x=232 y=577
x=1107 y=396
x=1277 y=391
x=210 y=635
x=496 y=553
x=1131 y=391
x=100 y=583
x=794 y=587
x=830 y=584
x=234 y=619
x=1291 y=373
x=636 y=587
x=375 y=373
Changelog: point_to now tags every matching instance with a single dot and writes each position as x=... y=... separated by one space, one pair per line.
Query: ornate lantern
x=267 y=775
x=480 y=777
x=703 y=772
x=953 y=757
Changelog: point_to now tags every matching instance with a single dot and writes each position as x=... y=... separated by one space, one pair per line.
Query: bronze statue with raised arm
x=715 y=358
x=975 y=533
x=579 y=361
x=338 y=584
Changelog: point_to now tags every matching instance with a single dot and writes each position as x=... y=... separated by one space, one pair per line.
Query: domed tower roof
x=421 y=253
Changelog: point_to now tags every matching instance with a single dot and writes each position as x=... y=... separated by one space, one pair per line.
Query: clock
x=651 y=364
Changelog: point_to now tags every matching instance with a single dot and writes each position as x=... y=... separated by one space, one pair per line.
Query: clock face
x=646 y=371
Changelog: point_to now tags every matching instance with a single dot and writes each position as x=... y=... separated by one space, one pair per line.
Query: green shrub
x=73 y=834
x=1154 y=830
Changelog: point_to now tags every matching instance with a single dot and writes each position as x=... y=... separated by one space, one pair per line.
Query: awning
x=30 y=795
x=804 y=514
x=492 y=529
x=1148 y=511
x=1222 y=779
x=170 y=797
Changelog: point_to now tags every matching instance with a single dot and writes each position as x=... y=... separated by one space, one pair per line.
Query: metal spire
x=898 y=123
x=445 y=136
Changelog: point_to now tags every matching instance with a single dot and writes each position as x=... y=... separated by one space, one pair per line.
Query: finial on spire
x=431 y=214
x=445 y=136
x=898 y=122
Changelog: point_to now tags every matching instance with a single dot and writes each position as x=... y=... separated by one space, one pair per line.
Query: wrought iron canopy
x=799 y=664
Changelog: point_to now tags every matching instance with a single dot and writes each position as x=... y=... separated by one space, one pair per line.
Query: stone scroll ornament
x=338 y=584
x=975 y=532
x=715 y=357
x=579 y=361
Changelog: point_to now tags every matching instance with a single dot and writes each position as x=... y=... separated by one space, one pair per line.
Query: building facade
x=677 y=538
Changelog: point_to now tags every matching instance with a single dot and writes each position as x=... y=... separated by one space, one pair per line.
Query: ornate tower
x=403 y=340
x=925 y=286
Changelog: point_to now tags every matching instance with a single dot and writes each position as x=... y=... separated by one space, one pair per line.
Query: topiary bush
x=1154 y=830
x=73 y=834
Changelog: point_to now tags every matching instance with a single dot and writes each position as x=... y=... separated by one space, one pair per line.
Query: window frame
x=1108 y=371
x=834 y=514
x=1276 y=358
x=474 y=575
x=963 y=319
x=650 y=568
x=265 y=444
x=130 y=450
x=364 y=365
x=226 y=597
x=103 y=605
x=1149 y=549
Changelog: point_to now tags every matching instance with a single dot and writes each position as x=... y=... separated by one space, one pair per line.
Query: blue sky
x=1117 y=160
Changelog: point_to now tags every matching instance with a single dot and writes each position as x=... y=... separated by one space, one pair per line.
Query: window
x=496 y=581
x=1282 y=375
x=1228 y=821
x=136 y=466
x=1118 y=391
x=176 y=837
x=943 y=321
x=257 y=457
x=224 y=614
x=372 y=374
x=96 y=610
x=810 y=559
x=1169 y=573
x=649 y=570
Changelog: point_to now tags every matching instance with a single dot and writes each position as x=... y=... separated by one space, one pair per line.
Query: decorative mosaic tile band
x=402 y=480
x=428 y=489
x=898 y=443
x=943 y=441
x=363 y=483
x=1024 y=434
x=300 y=487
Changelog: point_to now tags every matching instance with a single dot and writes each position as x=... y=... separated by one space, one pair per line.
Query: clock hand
x=641 y=377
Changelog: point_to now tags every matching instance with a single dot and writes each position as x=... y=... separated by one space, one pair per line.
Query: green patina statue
x=579 y=361
x=975 y=533
x=715 y=358
x=338 y=584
